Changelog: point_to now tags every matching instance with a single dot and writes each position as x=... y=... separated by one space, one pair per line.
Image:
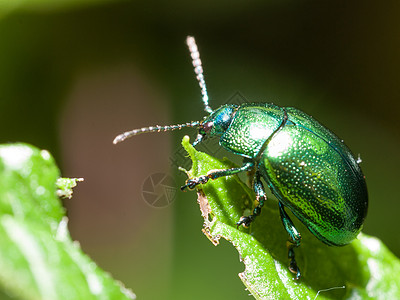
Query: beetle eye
x=208 y=126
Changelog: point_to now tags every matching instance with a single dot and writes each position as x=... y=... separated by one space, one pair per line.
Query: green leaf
x=65 y=186
x=364 y=269
x=38 y=259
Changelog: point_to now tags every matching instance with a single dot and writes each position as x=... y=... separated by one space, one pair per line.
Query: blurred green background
x=75 y=73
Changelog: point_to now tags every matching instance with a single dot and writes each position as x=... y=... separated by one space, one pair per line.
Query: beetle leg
x=214 y=174
x=293 y=242
x=261 y=197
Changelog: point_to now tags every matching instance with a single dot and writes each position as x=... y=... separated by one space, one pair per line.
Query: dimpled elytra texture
x=315 y=175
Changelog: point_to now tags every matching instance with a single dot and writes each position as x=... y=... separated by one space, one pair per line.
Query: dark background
x=73 y=74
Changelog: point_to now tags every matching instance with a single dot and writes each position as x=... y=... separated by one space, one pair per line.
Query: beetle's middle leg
x=261 y=197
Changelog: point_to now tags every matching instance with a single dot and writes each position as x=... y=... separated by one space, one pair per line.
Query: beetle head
x=216 y=123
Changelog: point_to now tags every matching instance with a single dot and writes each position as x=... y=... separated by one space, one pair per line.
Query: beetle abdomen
x=317 y=178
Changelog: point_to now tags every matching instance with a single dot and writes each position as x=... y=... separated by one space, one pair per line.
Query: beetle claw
x=294 y=268
x=191 y=183
x=245 y=221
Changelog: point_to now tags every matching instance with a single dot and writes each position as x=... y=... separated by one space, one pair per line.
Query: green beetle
x=307 y=167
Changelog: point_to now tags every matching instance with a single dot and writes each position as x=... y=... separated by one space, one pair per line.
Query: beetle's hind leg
x=261 y=197
x=293 y=242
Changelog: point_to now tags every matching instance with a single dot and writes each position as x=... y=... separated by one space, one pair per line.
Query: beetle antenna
x=198 y=69
x=123 y=136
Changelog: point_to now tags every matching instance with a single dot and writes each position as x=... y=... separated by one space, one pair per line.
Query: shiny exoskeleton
x=307 y=167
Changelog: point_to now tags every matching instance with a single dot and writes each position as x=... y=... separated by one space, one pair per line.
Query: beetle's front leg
x=293 y=242
x=261 y=197
x=214 y=174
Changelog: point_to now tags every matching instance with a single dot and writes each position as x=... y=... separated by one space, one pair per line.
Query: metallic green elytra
x=307 y=167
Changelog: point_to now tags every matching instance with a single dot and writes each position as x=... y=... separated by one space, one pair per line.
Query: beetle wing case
x=315 y=175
